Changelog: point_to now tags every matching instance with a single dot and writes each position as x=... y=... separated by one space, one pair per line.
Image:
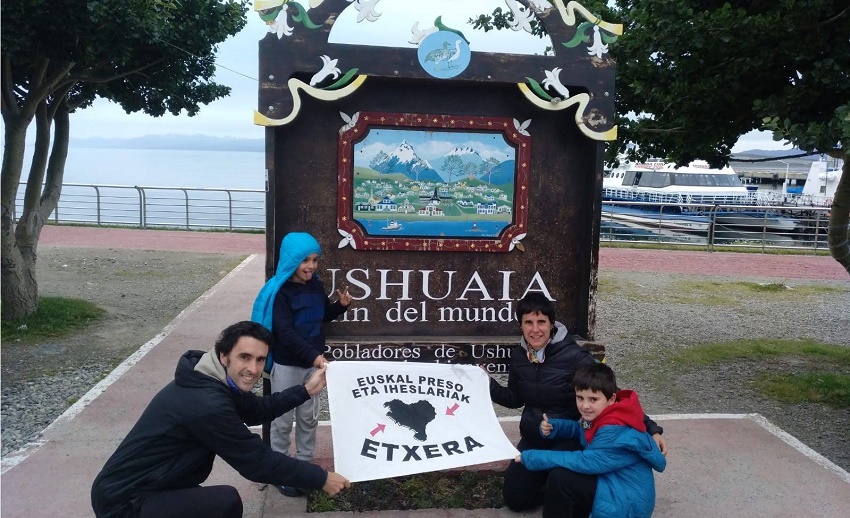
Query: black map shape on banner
x=415 y=416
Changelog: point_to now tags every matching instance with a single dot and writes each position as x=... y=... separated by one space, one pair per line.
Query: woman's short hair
x=536 y=303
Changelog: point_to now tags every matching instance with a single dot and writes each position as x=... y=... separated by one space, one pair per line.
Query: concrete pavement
x=729 y=465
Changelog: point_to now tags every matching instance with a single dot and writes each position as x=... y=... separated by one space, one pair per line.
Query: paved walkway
x=615 y=259
x=719 y=465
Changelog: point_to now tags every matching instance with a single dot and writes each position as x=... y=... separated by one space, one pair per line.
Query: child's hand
x=319 y=362
x=662 y=444
x=545 y=427
x=317 y=381
x=518 y=459
x=345 y=298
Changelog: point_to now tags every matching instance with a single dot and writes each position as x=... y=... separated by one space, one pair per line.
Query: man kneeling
x=158 y=468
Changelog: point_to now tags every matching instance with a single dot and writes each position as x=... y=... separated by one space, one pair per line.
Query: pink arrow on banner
x=451 y=410
x=379 y=428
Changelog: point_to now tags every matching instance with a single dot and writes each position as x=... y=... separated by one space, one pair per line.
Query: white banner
x=390 y=419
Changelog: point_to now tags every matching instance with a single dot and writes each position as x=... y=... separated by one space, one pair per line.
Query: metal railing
x=148 y=206
x=668 y=224
x=711 y=226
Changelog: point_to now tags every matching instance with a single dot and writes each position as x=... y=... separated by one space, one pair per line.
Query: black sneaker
x=290 y=491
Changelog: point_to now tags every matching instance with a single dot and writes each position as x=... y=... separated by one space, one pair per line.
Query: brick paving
x=614 y=259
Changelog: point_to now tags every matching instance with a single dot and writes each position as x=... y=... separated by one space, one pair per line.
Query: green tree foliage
x=699 y=74
x=155 y=56
x=695 y=75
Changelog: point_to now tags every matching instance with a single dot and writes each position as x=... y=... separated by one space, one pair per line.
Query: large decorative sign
x=433 y=182
x=393 y=419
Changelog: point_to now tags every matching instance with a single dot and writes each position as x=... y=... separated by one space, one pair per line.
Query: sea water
x=165 y=168
x=169 y=180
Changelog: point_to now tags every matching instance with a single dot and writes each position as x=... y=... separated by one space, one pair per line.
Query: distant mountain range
x=771 y=153
x=187 y=142
x=207 y=142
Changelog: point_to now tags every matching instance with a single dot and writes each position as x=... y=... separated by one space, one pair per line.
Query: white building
x=486 y=208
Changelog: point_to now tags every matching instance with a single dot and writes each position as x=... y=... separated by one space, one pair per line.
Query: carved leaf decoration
x=347 y=239
x=350 y=122
x=581 y=35
x=606 y=38
x=438 y=23
x=515 y=243
x=302 y=17
x=536 y=88
x=343 y=81
x=522 y=127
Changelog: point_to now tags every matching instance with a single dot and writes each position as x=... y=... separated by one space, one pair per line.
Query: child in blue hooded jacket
x=293 y=305
x=612 y=477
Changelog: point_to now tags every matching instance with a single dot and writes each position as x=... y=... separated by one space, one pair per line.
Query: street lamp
x=785 y=185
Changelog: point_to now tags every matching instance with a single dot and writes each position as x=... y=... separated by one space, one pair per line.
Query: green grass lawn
x=55 y=316
x=824 y=377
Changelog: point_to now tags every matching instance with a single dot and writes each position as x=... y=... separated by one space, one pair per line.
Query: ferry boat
x=660 y=182
x=656 y=182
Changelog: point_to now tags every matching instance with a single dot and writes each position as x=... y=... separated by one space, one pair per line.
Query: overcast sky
x=233 y=115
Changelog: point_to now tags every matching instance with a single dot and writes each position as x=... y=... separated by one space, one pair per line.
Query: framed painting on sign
x=433 y=182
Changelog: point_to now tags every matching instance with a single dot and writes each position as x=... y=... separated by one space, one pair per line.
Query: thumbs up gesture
x=545 y=427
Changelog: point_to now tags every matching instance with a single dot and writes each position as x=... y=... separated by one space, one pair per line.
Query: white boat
x=820 y=186
x=655 y=218
x=697 y=183
x=392 y=225
x=660 y=182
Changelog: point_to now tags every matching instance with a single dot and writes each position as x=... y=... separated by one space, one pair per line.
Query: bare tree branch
x=126 y=73
x=45 y=86
x=7 y=95
x=58 y=100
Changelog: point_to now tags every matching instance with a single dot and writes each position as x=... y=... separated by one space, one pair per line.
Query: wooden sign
x=446 y=171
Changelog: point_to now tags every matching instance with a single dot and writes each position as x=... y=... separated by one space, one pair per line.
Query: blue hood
x=293 y=249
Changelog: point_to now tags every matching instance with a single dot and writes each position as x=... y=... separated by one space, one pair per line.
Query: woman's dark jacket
x=190 y=421
x=546 y=387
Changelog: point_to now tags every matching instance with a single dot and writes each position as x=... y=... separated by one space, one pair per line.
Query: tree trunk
x=56 y=164
x=20 y=257
x=18 y=287
x=839 y=217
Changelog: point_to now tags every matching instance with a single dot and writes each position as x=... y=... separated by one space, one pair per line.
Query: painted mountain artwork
x=428 y=183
